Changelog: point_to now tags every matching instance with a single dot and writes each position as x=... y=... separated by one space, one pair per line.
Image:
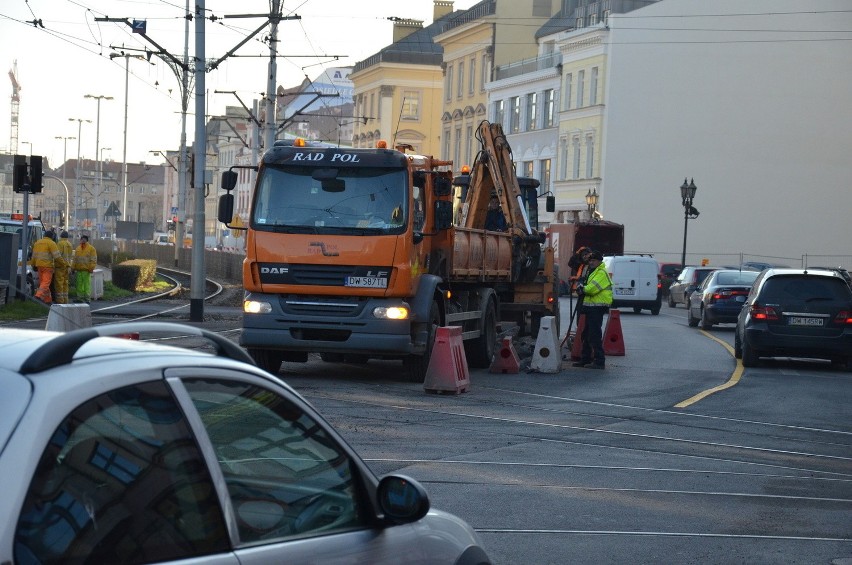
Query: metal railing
x=525 y=66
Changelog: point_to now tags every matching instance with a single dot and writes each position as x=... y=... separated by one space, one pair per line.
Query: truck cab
x=13 y=224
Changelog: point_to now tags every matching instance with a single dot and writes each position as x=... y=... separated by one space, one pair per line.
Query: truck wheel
x=480 y=351
x=415 y=366
x=268 y=360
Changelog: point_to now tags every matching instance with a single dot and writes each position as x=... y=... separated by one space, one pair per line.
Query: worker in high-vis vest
x=46 y=258
x=61 y=276
x=597 y=300
x=84 y=263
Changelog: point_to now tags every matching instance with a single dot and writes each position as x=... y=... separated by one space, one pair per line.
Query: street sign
x=112 y=211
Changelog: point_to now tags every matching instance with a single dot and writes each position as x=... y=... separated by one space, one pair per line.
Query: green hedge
x=134 y=274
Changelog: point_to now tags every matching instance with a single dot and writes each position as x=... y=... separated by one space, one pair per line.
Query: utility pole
x=97 y=155
x=272 y=79
x=196 y=294
x=64 y=163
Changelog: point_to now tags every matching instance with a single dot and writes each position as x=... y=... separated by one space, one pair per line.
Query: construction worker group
x=54 y=263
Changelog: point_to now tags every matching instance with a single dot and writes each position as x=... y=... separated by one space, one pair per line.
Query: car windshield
x=744 y=278
x=784 y=290
x=355 y=200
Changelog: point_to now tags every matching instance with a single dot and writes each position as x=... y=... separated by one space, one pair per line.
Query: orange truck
x=357 y=254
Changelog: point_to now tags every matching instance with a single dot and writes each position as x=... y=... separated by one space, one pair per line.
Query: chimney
x=442 y=8
x=402 y=28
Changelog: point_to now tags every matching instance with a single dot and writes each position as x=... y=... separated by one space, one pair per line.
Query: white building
x=749 y=98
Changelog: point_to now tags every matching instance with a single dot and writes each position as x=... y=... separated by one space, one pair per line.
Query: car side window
x=121 y=481
x=286 y=476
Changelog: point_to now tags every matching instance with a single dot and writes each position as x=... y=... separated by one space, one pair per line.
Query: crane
x=16 y=98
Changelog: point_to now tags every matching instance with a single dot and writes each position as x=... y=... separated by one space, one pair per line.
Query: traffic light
x=36 y=175
x=19 y=173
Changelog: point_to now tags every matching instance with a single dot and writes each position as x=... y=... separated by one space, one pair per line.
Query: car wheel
x=636 y=310
x=655 y=311
x=738 y=348
x=705 y=323
x=332 y=357
x=671 y=301
x=749 y=355
x=690 y=319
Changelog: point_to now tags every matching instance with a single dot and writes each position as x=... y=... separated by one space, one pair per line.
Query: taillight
x=763 y=312
x=843 y=317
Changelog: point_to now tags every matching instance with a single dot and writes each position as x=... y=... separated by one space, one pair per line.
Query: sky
x=65 y=55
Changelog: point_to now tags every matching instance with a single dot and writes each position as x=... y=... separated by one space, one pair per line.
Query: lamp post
x=592 y=202
x=64 y=162
x=98 y=97
x=687 y=195
x=72 y=221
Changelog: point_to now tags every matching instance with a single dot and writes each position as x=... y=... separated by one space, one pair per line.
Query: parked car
x=720 y=298
x=686 y=282
x=761 y=265
x=635 y=282
x=118 y=451
x=668 y=274
x=839 y=270
x=796 y=313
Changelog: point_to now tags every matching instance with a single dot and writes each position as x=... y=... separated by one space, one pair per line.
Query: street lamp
x=98 y=97
x=592 y=202
x=687 y=195
x=72 y=221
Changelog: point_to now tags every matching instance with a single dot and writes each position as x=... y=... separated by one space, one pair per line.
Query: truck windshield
x=354 y=200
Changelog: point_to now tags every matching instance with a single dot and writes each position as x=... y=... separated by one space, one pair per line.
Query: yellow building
x=489 y=34
x=397 y=91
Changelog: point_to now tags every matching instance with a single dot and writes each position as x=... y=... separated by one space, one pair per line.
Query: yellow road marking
x=735 y=376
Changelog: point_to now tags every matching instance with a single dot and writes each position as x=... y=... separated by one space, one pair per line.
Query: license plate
x=800 y=321
x=367 y=282
x=625 y=291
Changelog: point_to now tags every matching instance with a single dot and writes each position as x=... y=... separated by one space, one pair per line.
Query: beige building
x=397 y=91
x=489 y=34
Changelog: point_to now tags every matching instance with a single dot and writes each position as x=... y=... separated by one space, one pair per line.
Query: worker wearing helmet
x=597 y=299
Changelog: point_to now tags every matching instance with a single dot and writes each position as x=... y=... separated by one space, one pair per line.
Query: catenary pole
x=196 y=299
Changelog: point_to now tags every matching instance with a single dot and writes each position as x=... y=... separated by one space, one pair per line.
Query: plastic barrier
x=506 y=360
x=613 y=339
x=546 y=357
x=447 y=371
x=577 y=347
x=97 y=284
x=67 y=317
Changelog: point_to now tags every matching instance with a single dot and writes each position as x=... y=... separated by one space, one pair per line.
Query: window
x=593 y=19
x=567 y=96
x=593 y=87
x=563 y=158
x=576 y=145
x=472 y=72
x=120 y=467
x=460 y=87
x=532 y=102
x=447 y=144
x=590 y=157
x=499 y=113
x=549 y=107
x=581 y=76
x=484 y=72
x=411 y=105
x=527 y=168
x=579 y=23
x=514 y=114
x=277 y=463
x=468 y=145
x=448 y=84
x=544 y=176
x=457 y=151
x=372 y=104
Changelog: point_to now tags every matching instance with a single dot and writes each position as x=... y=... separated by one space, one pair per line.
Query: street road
x=588 y=466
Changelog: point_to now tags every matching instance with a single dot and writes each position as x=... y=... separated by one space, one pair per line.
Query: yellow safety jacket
x=598 y=288
x=46 y=255
x=66 y=250
x=85 y=258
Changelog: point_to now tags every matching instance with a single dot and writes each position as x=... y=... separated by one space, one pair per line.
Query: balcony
x=539 y=63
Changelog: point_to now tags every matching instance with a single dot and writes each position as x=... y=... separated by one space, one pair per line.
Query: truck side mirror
x=443 y=214
x=226 y=206
x=550 y=203
x=229 y=180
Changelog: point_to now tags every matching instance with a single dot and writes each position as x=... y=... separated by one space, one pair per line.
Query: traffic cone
x=577 y=346
x=447 y=371
x=546 y=357
x=613 y=340
x=506 y=360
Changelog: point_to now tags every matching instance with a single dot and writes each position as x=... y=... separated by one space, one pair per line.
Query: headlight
x=391 y=313
x=254 y=307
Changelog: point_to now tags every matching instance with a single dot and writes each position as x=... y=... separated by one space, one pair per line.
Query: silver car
x=122 y=451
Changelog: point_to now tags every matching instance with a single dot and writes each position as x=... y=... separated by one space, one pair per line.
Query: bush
x=134 y=274
x=117 y=258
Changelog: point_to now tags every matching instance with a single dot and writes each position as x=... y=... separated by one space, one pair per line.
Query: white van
x=635 y=282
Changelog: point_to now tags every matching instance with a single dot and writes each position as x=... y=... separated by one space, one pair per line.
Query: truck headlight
x=255 y=307
x=391 y=313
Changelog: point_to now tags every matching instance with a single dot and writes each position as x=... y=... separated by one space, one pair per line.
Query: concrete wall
x=754 y=107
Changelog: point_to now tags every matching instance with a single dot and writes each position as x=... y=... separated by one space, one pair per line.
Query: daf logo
x=274 y=270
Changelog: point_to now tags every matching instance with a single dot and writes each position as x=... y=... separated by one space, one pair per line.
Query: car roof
x=776 y=271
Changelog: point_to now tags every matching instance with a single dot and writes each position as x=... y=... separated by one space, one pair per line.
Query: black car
x=668 y=274
x=720 y=298
x=796 y=313
x=686 y=283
